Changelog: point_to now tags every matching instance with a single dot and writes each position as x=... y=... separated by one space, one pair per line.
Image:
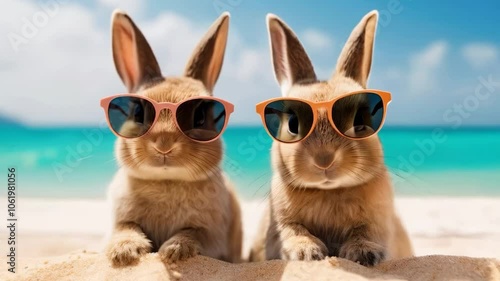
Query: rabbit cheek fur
x=179 y=203
x=330 y=196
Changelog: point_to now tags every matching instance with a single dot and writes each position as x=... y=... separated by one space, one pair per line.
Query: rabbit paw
x=303 y=248
x=178 y=249
x=127 y=250
x=364 y=252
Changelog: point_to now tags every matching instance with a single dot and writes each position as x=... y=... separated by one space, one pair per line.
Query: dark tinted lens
x=288 y=120
x=201 y=119
x=130 y=116
x=358 y=115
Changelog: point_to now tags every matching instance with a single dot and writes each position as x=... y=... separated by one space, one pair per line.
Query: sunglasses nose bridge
x=323 y=105
x=324 y=123
x=321 y=111
x=165 y=107
x=164 y=121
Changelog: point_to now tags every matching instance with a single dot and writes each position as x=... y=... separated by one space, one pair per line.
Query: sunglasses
x=202 y=119
x=357 y=115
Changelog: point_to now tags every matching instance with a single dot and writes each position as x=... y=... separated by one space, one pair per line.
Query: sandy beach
x=58 y=231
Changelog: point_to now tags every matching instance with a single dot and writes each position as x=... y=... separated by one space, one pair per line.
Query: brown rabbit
x=330 y=195
x=179 y=205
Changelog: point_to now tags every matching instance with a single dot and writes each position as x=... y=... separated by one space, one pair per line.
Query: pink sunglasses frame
x=159 y=106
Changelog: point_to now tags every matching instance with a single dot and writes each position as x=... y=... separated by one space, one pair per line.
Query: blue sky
x=429 y=54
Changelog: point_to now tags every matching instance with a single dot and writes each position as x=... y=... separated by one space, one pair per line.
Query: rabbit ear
x=356 y=57
x=290 y=60
x=134 y=59
x=206 y=61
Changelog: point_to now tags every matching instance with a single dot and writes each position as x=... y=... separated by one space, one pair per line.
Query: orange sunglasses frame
x=315 y=106
x=159 y=106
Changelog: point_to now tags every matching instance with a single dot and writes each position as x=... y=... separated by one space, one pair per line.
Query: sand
x=94 y=266
x=454 y=239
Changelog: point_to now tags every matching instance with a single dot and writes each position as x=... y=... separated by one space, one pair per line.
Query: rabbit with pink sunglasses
x=170 y=195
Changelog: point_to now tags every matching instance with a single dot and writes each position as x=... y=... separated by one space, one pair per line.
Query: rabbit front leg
x=183 y=245
x=362 y=247
x=128 y=243
x=299 y=244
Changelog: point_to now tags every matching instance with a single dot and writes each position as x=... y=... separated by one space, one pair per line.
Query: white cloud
x=316 y=39
x=59 y=74
x=393 y=73
x=424 y=66
x=250 y=63
x=480 y=55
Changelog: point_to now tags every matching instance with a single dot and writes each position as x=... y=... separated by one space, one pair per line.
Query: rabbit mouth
x=325 y=184
x=161 y=161
x=328 y=183
x=326 y=174
x=326 y=179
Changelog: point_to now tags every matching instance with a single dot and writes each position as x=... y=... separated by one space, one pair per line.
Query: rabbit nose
x=323 y=160
x=163 y=143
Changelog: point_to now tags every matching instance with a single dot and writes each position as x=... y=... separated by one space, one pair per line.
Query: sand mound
x=94 y=266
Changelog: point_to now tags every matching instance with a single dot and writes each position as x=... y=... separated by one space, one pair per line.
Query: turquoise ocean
x=79 y=162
